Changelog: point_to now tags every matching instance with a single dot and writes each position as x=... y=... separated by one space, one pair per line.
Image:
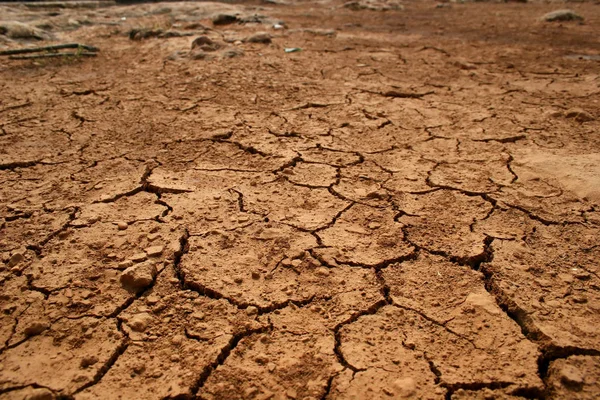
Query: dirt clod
x=139 y=276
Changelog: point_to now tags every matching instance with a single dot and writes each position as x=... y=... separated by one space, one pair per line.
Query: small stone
x=16 y=258
x=580 y=299
x=579 y=115
x=562 y=15
x=255 y=275
x=139 y=276
x=139 y=322
x=138 y=257
x=251 y=310
x=175 y=358
x=177 y=340
x=404 y=387
x=261 y=359
x=571 y=377
x=205 y=43
x=271 y=367
x=154 y=251
x=88 y=361
x=296 y=263
x=125 y=264
x=374 y=225
x=224 y=19
x=291 y=393
x=238 y=280
x=152 y=237
x=152 y=300
x=322 y=271
x=36 y=328
x=122 y=225
x=139 y=368
x=232 y=53
x=259 y=37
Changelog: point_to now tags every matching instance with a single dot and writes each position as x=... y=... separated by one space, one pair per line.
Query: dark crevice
x=510 y=139
x=328 y=387
x=509 y=167
x=107 y=366
x=338 y=335
x=222 y=357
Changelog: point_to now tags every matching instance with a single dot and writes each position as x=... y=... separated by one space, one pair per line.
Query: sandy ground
x=408 y=207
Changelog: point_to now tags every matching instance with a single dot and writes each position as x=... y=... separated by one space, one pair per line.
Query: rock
x=251 y=310
x=16 y=258
x=224 y=19
x=261 y=359
x=562 y=15
x=231 y=53
x=177 y=340
x=144 y=33
x=404 y=387
x=322 y=271
x=259 y=37
x=154 y=251
x=124 y=264
x=139 y=276
x=255 y=275
x=579 y=115
x=139 y=322
x=122 y=225
x=571 y=377
x=31 y=393
x=88 y=361
x=199 y=54
x=205 y=43
x=138 y=257
x=35 y=328
x=19 y=30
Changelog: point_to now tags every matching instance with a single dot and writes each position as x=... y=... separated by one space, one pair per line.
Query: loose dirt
x=315 y=200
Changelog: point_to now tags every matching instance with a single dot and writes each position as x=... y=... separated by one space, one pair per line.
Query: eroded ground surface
x=409 y=207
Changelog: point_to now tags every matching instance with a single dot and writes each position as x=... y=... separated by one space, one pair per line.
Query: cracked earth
x=408 y=207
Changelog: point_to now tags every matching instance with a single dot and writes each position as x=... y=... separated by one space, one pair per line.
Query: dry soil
x=407 y=207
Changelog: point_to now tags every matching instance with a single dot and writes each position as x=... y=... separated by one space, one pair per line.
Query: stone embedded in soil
x=548 y=281
x=574 y=377
x=224 y=19
x=475 y=340
x=29 y=393
x=579 y=115
x=259 y=37
x=139 y=276
x=205 y=43
x=36 y=328
x=562 y=15
x=154 y=251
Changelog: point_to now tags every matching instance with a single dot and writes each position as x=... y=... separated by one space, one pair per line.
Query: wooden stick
x=48 y=48
x=51 y=55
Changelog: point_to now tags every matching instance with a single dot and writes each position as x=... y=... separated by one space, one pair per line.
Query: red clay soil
x=317 y=200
